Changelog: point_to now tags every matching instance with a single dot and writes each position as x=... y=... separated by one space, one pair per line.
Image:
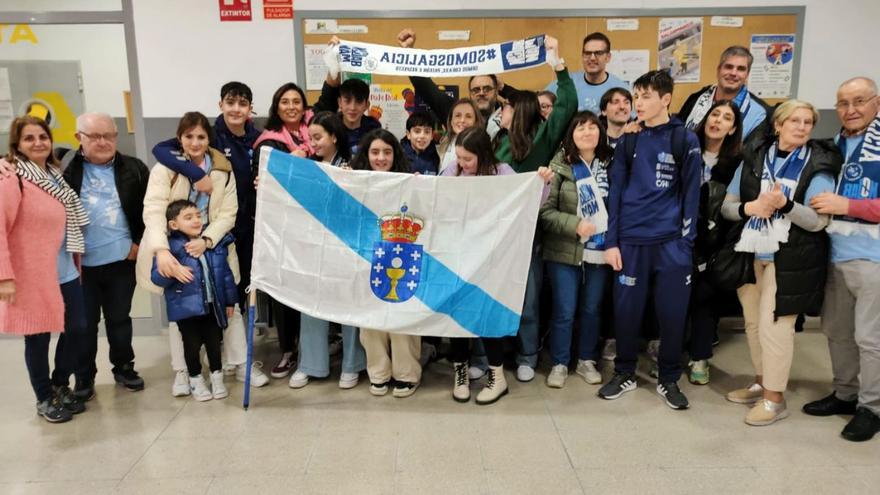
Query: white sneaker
x=348 y=380
x=181 y=384
x=609 y=352
x=525 y=373
x=557 y=376
x=587 y=369
x=199 y=389
x=475 y=372
x=258 y=378
x=218 y=389
x=298 y=379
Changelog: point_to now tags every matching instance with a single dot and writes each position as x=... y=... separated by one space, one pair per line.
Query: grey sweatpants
x=851 y=321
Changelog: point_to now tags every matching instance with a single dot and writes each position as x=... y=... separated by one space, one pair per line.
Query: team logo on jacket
x=397 y=260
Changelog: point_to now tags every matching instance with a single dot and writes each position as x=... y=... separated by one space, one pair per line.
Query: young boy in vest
x=653 y=205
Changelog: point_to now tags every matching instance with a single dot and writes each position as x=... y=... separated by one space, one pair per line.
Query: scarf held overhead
x=859 y=179
x=764 y=235
x=494 y=58
x=51 y=181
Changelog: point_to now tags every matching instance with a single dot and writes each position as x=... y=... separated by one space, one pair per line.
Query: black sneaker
x=53 y=411
x=674 y=398
x=829 y=406
x=69 y=401
x=619 y=384
x=84 y=390
x=864 y=425
x=129 y=379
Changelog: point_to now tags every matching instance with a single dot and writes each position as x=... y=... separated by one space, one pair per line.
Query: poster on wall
x=392 y=104
x=628 y=65
x=235 y=10
x=316 y=69
x=772 y=70
x=679 y=47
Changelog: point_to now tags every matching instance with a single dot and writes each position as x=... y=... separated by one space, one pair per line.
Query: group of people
x=649 y=218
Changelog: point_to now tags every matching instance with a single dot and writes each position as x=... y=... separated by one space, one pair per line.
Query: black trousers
x=108 y=289
x=196 y=332
x=287 y=321
x=459 y=350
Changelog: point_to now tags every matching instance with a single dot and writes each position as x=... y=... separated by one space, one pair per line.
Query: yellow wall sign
x=21 y=33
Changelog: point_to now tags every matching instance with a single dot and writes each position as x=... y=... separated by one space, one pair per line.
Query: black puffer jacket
x=802 y=261
x=711 y=227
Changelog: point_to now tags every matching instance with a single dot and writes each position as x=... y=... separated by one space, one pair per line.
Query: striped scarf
x=51 y=181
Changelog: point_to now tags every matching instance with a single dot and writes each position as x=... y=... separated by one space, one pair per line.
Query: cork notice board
x=569 y=27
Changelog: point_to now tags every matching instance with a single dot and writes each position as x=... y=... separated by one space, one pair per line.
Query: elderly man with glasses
x=851 y=313
x=594 y=80
x=112 y=188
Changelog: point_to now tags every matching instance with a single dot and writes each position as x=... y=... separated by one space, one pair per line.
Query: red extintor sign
x=235 y=10
x=278 y=9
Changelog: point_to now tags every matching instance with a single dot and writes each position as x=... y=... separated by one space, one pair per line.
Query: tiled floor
x=321 y=439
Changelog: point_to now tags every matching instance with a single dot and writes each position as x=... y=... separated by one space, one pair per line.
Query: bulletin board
x=569 y=26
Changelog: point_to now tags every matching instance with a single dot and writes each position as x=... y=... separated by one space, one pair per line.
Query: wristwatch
x=208 y=242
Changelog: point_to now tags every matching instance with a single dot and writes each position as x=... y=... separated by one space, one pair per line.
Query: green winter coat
x=550 y=132
x=559 y=218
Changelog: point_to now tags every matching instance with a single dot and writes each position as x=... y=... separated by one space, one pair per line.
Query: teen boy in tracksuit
x=653 y=206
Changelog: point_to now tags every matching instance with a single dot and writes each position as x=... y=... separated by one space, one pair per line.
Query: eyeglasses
x=857 y=103
x=482 y=90
x=109 y=136
x=597 y=53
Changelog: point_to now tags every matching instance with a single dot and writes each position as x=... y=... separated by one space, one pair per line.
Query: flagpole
x=252 y=311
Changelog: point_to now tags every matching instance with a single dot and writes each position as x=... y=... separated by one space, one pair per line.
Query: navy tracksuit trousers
x=664 y=272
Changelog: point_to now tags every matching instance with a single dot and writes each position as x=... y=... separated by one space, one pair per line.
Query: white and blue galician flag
x=423 y=255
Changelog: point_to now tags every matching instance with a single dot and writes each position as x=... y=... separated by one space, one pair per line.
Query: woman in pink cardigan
x=40 y=229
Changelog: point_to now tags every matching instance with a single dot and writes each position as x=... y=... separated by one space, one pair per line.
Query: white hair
x=84 y=120
x=862 y=79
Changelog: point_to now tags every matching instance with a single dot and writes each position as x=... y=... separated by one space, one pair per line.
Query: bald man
x=851 y=313
x=112 y=188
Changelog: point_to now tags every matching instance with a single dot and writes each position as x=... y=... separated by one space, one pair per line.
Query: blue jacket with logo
x=190 y=300
x=426 y=162
x=657 y=200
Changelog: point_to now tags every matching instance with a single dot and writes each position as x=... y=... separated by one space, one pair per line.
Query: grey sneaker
x=53 y=411
x=557 y=376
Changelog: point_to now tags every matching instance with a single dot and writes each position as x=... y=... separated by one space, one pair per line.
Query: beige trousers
x=392 y=355
x=771 y=342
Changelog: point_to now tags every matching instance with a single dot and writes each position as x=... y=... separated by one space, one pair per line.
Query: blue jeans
x=576 y=290
x=68 y=351
x=314 y=348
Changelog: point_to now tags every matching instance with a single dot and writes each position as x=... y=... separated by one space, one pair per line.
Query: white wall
x=186 y=54
x=100 y=48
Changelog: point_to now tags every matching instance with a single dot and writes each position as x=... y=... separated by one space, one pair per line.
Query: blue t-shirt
x=67 y=271
x=202 y=200
x=858 y=246
x=821 y=182
x=107 y=236
x=589 y=95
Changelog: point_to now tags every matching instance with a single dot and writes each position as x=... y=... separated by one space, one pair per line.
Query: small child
x=418 y=145
x=199 y=297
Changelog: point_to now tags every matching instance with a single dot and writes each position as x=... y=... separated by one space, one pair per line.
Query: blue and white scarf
x=202 y=200
x=704 y=102
x=859 y=179
x=764 y=235
x=591 y=183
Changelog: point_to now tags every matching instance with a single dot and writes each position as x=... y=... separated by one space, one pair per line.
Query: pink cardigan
x=31 y=233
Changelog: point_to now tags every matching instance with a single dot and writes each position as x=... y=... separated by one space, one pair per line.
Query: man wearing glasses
x=112 y=188
x=733 y=74
x=851 y=312
x=594 y=80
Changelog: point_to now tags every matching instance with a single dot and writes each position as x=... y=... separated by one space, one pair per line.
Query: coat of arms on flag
x=397 y=260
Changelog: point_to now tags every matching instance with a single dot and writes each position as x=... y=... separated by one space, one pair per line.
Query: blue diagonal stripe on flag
x=357 y=227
